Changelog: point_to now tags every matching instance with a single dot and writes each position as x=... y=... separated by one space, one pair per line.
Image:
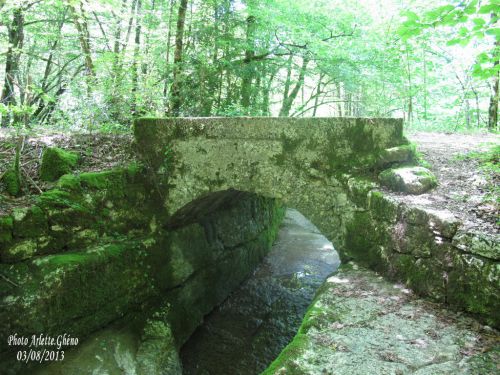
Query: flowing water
x=248 y=331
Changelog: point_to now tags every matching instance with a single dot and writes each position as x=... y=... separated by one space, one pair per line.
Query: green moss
x=19 y=251
x=12 y=182
x=396 y=155
x=383 y=207
x=56 y=162
x=69 y=182
x=57 y=198
x=358 y=189
x=363 y=240
x=112 y=183
x=473 y=286
x=418 y=157
x=413 y=180
x=485 y=363
x=422 y=275
x=285 y=360
x=29 y=222
x=133 y=171
x=5 y=229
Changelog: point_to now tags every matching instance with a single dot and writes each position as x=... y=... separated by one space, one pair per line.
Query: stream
x=248 y=331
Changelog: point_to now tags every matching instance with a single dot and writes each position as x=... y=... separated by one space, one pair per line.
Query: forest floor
x=97 y=152
x=465 y=189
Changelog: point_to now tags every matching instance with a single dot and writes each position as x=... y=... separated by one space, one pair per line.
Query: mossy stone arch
x=302 y=161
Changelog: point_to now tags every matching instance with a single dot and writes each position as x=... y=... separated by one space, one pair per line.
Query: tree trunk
x=339 y=95
x=44 y=85
x=410 y=95
x=318 y=92
x=81 y=25
x=248 y=70
x=16 y=39
x=175 y=96
x=135 y=63
x=266 y=89
x=116 y=48
x=288 y=101
x=493 y=108
x=167 y=57
x=424 y=62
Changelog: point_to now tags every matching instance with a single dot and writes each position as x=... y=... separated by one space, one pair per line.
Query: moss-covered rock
x=383 y=207
x=412 y=180
x=362 y=324
x=19 y=251
x=101 y=275
x=481 y=244
x=69 y=182
x=29 y=222
x=12 y=182
x=6 y=224
x=57 y=162
x=358 y=189
x=395 y=155
x=157 y=352
x=473 y=285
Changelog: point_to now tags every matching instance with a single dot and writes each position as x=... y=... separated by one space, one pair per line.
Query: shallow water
x=249 y=330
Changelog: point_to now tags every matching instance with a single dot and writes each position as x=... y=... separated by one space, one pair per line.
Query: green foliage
x=359 y=63
x=470 y=20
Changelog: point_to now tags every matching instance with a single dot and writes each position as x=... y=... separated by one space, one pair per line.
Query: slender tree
x=175 y=96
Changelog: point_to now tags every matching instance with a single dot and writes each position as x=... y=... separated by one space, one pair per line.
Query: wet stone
x=245 y=333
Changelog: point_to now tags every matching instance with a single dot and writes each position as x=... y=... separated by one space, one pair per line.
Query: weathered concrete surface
x=361 y=324
x=411 y=180
x=297 y=160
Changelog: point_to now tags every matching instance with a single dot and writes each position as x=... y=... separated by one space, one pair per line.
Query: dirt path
x=463 y=187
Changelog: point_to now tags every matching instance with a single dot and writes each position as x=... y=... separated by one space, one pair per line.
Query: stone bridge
x=300 y=161
x=179 y=231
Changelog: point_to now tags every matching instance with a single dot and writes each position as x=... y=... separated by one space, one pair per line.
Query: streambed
x=248 y=331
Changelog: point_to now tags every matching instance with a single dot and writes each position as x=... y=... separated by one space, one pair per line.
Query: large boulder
x=11 y=182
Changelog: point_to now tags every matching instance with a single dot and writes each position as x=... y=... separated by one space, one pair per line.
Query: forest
x=97 y=65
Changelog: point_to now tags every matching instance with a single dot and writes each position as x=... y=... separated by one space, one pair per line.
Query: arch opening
x=248 y=330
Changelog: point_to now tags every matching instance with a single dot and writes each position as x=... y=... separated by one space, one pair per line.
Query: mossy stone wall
x=427 y=250
x=99 y=249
